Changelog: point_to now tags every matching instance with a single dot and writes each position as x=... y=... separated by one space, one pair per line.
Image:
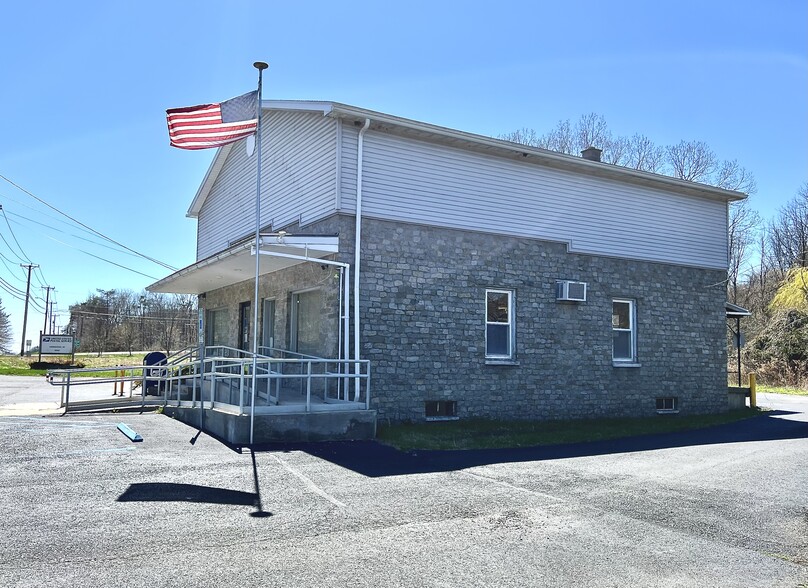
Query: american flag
x=213 y=125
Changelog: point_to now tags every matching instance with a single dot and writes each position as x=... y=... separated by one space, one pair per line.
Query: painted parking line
x=491 y=480
x=311 y=486
x=112 y=450
x=16 y=421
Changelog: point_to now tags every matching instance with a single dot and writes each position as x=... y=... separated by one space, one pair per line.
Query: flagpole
x=260 y=66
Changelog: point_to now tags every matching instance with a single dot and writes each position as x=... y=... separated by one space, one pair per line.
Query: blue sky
x=85 y=86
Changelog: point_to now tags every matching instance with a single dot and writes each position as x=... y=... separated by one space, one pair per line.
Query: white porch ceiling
x=237 y=263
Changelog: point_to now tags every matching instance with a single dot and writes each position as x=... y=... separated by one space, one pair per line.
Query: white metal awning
x=237 y=263
x=735 y=311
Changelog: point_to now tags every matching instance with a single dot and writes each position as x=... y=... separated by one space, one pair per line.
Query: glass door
x=307 y=308
x=268 y=327
x=245 y=317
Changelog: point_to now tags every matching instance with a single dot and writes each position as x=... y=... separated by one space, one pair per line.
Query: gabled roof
x=480 y=143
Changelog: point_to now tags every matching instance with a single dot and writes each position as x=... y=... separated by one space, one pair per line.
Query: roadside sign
x=56 y=344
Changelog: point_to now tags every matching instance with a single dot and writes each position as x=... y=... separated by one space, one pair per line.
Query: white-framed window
x=624 y=331
x=499 y=324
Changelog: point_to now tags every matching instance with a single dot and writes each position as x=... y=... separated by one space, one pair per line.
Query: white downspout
x=357 y=251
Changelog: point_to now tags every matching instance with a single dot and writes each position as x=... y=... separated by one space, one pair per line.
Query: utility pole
x=47 y=298
x=142 y=313
x=30 y=266
x=45 y=326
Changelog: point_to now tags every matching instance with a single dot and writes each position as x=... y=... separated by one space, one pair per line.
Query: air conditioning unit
x=567 y=291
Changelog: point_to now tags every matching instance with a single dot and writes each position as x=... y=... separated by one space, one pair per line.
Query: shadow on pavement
x=170 y=492
x=374 y=459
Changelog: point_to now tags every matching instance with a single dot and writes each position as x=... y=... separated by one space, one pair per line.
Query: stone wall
x=280 y=287
x=423 y=307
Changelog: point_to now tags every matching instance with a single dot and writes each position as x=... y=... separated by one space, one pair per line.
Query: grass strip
x=783 y=390
x=489 y=434
x=14 y=365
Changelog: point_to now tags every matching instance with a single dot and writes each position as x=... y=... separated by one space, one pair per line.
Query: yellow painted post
x=753 y=390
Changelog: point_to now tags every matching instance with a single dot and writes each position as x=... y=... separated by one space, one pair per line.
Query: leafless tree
x=592 y=131
x=788 y=234
x=128 y=331
x=113 y=320
x=743 y=224
x=523 y=136
x=693 y=161
x=743 y=221
x=731 y=176
x=561 y=138
x=174 y=314
x=616 y=150
x=759 y=288
x=644 y=155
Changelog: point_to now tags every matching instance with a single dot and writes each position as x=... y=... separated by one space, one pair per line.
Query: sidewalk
x=34 y=395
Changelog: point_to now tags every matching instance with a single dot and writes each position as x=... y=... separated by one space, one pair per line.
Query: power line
x=3 y=260
x=110 y=239
x=11 y=289
x=38 y=274
x=10 y=230
x=165 y=315
x=39 y=211
x=43 y=282
x=11 y=249
x=91 y=241
x=18 y=294
x=101 y=258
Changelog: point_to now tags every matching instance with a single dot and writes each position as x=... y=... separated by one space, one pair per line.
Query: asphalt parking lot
x=84 y=506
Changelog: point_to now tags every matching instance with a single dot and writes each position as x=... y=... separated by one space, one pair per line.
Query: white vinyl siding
x=230 y=206
x=298 y=181
x=350 y=146
x=414 y=181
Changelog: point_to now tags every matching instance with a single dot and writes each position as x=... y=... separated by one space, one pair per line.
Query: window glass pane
x=621 y=348
x=621 y=315
x=217 y=327
x=666 y=403
x=497 y=340
x=268 y=327
x=309 y=312
x=245 y=325
x=497 y=303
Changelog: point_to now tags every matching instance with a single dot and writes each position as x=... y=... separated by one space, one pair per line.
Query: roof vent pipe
x=591 y=153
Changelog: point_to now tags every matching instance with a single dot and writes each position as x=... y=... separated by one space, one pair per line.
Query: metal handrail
x=230 y=371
